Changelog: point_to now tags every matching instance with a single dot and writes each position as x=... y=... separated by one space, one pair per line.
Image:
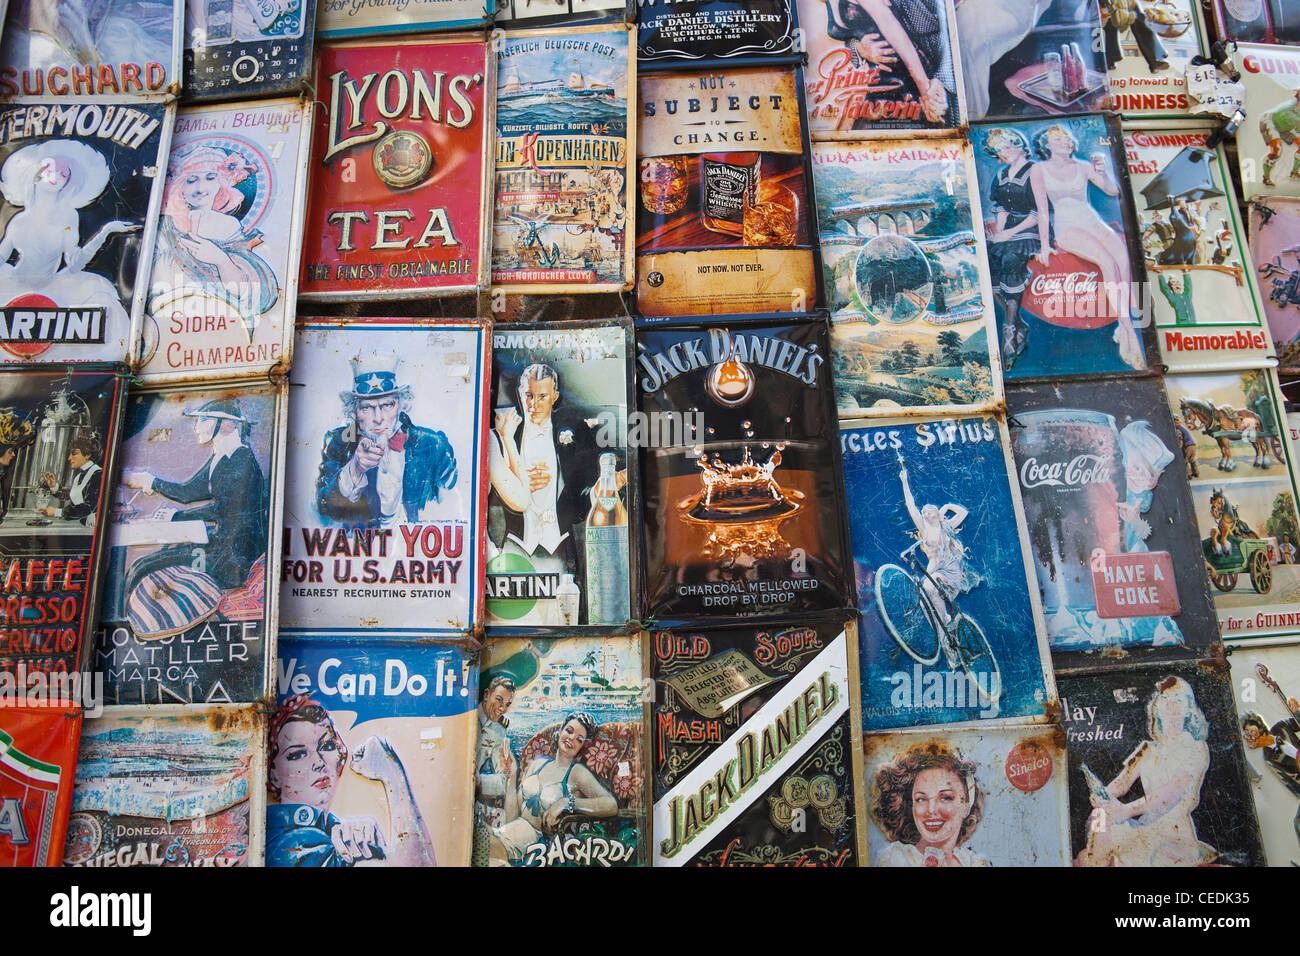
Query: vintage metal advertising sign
x=1234 y=449
x=890 y=70
x=1275 y=247
x=1063 y=256
x=1149 y=48
x=1031 y=57
x=225 y=271
x=162 y=787
x=38 y=759
x=1206 y=300
x=695 y=33
x=81 y=184
x=949 y=630
x=58 y=454
x=371 y=747
x=986 y=796
x=1266 y=685
x=336 y=19
x=236 y=49
x=114 y=48
x=1111 y=523
x=1167 y=729
x=522 y=13
x=385 y=489
x=195 y=533
x=747 y=519
x=1267 y=150
x=903 y=264
x=563 y=484
x=564 y=126
x=755 y=746
x=725 y=223
x=396 y=204
x=1256 y=21
x=561 y=766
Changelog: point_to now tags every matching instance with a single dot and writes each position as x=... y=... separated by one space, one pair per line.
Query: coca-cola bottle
x=725 y=180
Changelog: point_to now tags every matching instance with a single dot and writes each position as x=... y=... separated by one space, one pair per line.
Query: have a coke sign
x=1138 y=584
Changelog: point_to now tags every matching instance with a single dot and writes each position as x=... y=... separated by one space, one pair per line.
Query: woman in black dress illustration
x=1012 y=236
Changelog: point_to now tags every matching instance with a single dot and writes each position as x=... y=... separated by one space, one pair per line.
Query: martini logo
x=31 y=323
x=514 y=586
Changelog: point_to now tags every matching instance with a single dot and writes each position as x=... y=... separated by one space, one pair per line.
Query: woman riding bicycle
x=936 y=531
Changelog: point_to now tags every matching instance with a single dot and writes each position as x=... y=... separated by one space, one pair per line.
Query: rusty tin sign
x=38 y=761
x=1234 y=450
x=386 y=488
x=370 y=754
x=986 y=796
x=561 y=776
x=1149 y=50
x=59 y=433
x=194 y=534
x=1111 y=523
x=235 y=50
x=756 y=748
x=339 y=19
x=951 y=627
x=82 y=184
x=1207 y=309
x=905 y=268
x=1266 y=686
x=1275 y=246
x=157 y=787
x=521 y=14
x=565 y=120
x=891 y=70
x=225 y=270
x=726 y=222
x=562 y=465
x=116 y=48
x=1157 y=771
x=397 y=204
x=703 y=33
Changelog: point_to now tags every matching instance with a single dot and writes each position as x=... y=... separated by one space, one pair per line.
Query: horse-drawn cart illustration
x=1255 y=426
x=1233 y=548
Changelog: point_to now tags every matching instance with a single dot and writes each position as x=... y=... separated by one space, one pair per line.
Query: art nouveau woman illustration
x=1014 y=238
x=937 y=528
x=1067 y=219
x=50 y=181
x=201 y=241
x=1155 y=829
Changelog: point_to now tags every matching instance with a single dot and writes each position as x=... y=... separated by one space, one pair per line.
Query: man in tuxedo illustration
x=380 y=469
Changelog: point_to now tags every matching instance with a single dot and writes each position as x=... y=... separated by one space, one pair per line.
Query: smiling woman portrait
x=928 y=803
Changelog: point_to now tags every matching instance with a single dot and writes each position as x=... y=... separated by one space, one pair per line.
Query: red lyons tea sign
x=38 y=761
x=397 y=172
x=1139 y=584
x=1069 y=292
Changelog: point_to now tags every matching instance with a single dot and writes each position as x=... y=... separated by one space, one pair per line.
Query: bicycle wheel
x=976 y=658
x=906 y=614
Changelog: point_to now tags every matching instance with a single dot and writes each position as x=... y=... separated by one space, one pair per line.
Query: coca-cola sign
x=1070 y=293
x=1078 y=471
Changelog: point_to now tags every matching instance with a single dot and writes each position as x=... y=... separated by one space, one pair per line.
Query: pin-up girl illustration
x=200 y=239
x=50 y=181
x=1060 y=182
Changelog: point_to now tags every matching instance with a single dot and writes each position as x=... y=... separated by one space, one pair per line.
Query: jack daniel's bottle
x=608 y=575
x=725 y=180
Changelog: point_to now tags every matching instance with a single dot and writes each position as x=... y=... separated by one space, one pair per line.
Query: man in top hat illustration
x=380 y=469
x=231 y=488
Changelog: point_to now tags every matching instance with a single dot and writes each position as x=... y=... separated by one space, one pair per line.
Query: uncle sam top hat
x=375 y=376
x=226 y=409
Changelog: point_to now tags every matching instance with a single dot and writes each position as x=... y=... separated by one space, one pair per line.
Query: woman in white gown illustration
x=1061 y=181
x=51 y=181
x=947 y=569
x=1155 y=829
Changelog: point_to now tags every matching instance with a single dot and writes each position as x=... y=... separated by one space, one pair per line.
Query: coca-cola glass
x=771 y=217
x=664 y=184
